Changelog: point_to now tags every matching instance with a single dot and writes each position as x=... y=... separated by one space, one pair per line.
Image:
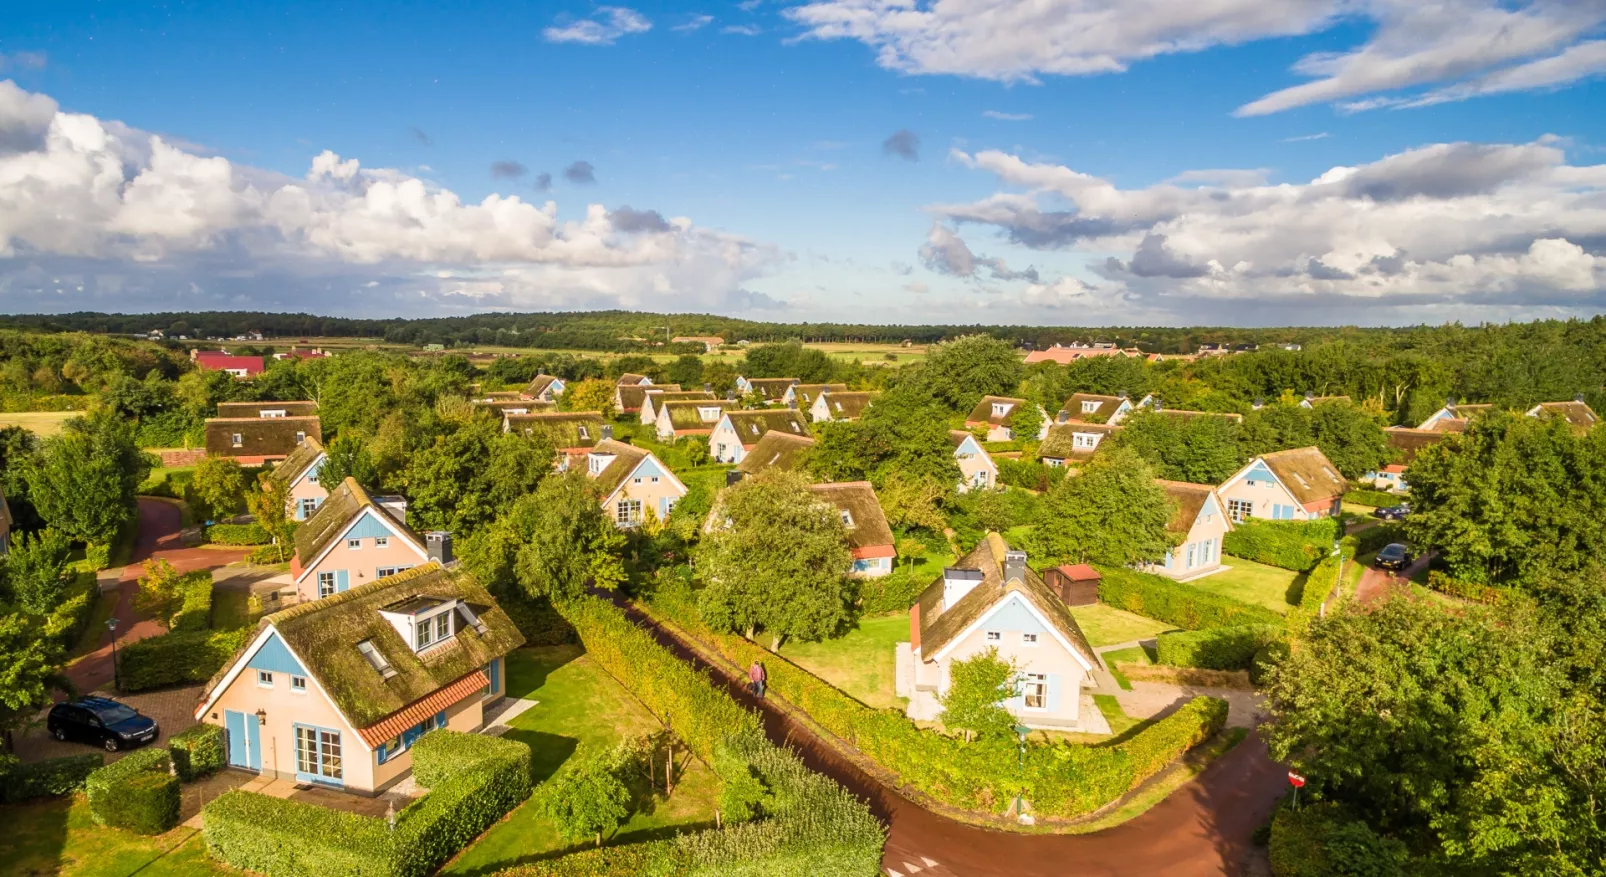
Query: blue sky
x=1068 y=168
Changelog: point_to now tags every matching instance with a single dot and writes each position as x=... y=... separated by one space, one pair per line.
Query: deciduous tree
x=961 y=371
x=1113 y=513
x=347 y=456
x=974 y=703
x=217 y=488
x=83 y=481
x=589 y=395
x=36 y=570
x=268 y=504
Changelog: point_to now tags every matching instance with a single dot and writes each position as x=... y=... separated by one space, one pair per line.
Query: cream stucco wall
x=1205 y=540
x=971 y=464
x=651 y=495
x=360 y=564
x=307 y=488
x=1264 y=494
x=725 y=446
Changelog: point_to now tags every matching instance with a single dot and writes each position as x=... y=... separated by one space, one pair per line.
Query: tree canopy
x=961 y=371
x=1113 y=513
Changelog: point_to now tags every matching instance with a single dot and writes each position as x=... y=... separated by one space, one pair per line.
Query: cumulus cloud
x=946 y=253
x=507 y=170
x=543 y=182
x=101 y=215
x=1442 y=226
x=580 y=172
x=1467 y=47
x=903 y=143
x=609 y=24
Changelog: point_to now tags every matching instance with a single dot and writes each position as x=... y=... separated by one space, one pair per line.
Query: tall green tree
x=961 y=371
x=465 y=478
x=83 y=481
x=553 y=543
x=686 y=371
x=589 y=395
x=790 y=360
x=217 y=489
x=1350 y=437
x=268 y=504
x=1113 y=513
x=776 y=560
x=974 y=703
x=1199 y=450
x=587 y=798
x=348 y=456
x=36 y=571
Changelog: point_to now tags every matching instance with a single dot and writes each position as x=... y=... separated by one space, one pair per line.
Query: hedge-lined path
x=172 y=708
x=1376 y=583
x=159 y=525
x=1202 y=830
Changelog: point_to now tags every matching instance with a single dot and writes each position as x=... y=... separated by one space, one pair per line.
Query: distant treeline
x=631 y=331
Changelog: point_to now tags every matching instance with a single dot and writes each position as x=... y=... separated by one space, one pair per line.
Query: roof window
x=375 y=659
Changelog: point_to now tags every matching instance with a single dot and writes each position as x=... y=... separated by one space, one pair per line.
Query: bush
x=1477 y=592
x=1029 y=474
x=1221 y=648
x=195 y=590
x=1374 y=538
x=97 y=555
x=237 y=534
x=269 y=554
x=1378 y=499
x=1319 y=583
x=541 y=624
x=137 y=793
x=1269 y=656
x=474 y=781
x=53 y=776
x=1318 y=840
x=1185 y=606
x=197 y=752
x=892 y=593
x=178 y=658
x=1295 y=545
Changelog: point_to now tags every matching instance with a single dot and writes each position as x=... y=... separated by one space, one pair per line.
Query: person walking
x=756 y=677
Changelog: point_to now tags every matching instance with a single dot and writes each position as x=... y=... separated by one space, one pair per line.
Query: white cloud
x=99 y=198
x=696 y=22
x=615 y=22
x=1455 y=225
x=743 y=30
x=1006 y=117
x=1306 y=138
x=1466 y=47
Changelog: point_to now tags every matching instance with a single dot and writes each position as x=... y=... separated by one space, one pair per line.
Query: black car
x=1394 y=556
x=1393 y=512
x=101 y=721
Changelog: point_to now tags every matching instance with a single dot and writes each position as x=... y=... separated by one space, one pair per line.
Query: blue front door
x=245 y=740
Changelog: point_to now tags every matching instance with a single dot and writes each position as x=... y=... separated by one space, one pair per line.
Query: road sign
x=1296 y=780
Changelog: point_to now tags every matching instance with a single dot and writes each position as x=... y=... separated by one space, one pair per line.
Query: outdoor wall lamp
x=262 y=717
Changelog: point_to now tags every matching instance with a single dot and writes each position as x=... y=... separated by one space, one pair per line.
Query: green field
x=870 y=354
x=40 y=423
x=1253 y=583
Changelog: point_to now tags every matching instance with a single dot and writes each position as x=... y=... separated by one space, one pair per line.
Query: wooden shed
x=1075 y=583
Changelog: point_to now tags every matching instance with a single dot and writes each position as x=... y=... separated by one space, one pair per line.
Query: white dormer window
x=274 y=413
x=1085 y=440
x=595 y=463
x=1088 y=407
x=847 y=518
x=708 y=414
x=238 y=440
x=1001 y=408
x=431 y=630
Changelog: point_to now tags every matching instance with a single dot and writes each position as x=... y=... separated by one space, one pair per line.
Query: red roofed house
x=243 y=367
x=1065 y=353
x=1076 y=583
x=869 y=536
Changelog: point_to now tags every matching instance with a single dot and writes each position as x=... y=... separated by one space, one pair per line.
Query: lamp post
x=111 y=625
x=1020 y=814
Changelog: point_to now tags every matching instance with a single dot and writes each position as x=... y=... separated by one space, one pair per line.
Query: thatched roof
x=501 y=396
x=538 y=385
x=983 y=412
x=1307 y=473
x=656 y=397
x=1189 y=499
x=324 y=634
x=299 y=461
x=940 y=625
x=335 y=514
x=750 y=426
x=805 y=394
x=773 y=389
x=869 y=528
x=255 y=409
x=630 y=380
x=625 y=460
x=632 y=395
x=504 y=406
x=1405 y=443
x=1576 y=413
x=847 y=405
x=1060 y=443
x=686 y=415
x=565 y=429
x=259 y=436
x=1072 y=409
x=775 y=450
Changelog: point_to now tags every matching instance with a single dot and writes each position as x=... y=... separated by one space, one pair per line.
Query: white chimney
x=396 y=506
x=956 y=583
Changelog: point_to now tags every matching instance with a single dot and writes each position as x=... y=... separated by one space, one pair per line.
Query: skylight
x=375 y=659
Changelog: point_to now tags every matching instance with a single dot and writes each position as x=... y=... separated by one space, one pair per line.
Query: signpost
x=1298 y=782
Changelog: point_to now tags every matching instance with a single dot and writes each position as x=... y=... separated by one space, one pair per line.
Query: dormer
x=956 y=583
x=1001 y=409
x=424 y=622
x=710 y=413
x=596 y=462
x=1089 y=405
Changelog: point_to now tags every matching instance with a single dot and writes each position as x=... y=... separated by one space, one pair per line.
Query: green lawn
x=861 y=663
x=1106 y=625
x=41 y=423
x=1134 y=655
x=1253 y=583
x=578 y=704
x=231 y=608
x=57 y=836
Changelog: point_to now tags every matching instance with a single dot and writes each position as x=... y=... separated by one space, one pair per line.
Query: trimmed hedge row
x=1061 y=780
x=1186 y=606
x=1374 y=538
x=198 y=751
x=53 y=776
x=1378 y=499
x=1477 y=592
x=477 y=780
x=180 y=658
x=1319 y=583
x=805 y=823
x=237 y=534
x=1295 y=545
x=136 y=793
x=196 y=612
x=1221 y=648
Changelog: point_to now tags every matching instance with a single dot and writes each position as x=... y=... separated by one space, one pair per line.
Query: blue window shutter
x=440 y=719
x=381 y=752
x=1053 y=692
x=494 y=671
x=342 y=580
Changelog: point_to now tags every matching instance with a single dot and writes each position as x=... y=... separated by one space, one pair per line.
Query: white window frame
x=628 y=511
x=847 y=518
x=354 y=544
x=1085 y=440
x=1001 y=409
x=298 y=684
x=330 y=581
x=381 y=541
x=1028 y=640
x=1034 y=686
x=239 y=440
x=1240 y=509
x=1088 y=407
x=308 y=506
x=995 y=636
x=264 y=678
x=301 y=436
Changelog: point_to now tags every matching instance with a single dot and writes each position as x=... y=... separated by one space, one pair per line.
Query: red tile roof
x=224 y=361
x=421 y=709
x=1079 y=572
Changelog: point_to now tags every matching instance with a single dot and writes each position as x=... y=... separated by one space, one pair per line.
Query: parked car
x=101 y=721
x=1393 y=512
x=1394 y=556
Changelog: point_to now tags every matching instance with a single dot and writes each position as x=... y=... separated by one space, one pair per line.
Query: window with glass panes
x=629 y=511
x=318 y=752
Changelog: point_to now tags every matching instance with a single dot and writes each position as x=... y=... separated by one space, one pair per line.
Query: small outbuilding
x=1075 y=583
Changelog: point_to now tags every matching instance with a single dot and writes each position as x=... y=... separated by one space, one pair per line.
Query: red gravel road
x=1202 y=830
x=1375 y=583
x=159 y=525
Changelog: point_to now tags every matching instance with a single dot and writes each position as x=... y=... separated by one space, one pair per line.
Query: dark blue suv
x=101 y=721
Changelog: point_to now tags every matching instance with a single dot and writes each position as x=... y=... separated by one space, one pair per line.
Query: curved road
x=159 y=526
x=1201 y=830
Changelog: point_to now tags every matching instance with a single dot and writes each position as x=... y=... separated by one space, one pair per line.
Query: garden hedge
x=805 y=823
x=1187 y=606
x=1374 y=538
x=198 y=751
x=476 y=781
x=1477 y=592
x=1220 y=648
x=1061 y=779
x=1319 y=583
x=237 y=534
x=196 y=611
x=1320 y=840
x=1378 y=499
x=1295 y=545
x=53 y=776
x=180 y=658
x=136 y=793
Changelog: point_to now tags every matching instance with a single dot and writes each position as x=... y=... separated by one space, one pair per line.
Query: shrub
x=1380 y=499
x=97 y=555
x=892 y=593
x=268 y=554
x=198 y=751
x=238 y=534
x=534 y=617
x=1319 y=583
x=1295 y=545
x=1186 y=606
x=1465 y=590
x=137 y=793
x=178 y=658
x=473 y=780
x=195 y=611
x=1318 y=840
x=1269 y=656
x=1029 y=474
x=1374 y=538
x=1221 y=648
x=53 y=776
